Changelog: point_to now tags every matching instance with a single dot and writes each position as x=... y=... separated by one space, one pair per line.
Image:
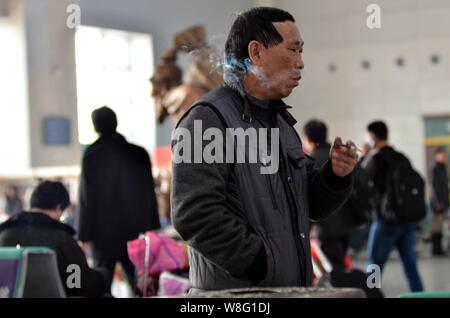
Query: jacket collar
x=35 y=219
x=275 y=107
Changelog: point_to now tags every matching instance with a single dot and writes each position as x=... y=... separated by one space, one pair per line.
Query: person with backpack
x=400 y=204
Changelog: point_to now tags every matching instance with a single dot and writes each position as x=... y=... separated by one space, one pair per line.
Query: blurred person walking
x=400 y=205
x=117 y=195
x=334 y=232
x=13 y=201
x=439 y=199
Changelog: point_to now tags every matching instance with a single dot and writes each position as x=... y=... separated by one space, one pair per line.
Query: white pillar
x=52 y=79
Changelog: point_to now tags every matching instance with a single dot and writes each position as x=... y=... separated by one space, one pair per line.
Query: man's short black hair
x=48 y=195
x=316 y=131
x=379 y=129
x=104 y=120
x=440 y=149
x=254 y=24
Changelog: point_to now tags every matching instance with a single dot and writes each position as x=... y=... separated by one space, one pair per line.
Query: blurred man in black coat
x=117 y=197
x=439 y=199
x=334 y=232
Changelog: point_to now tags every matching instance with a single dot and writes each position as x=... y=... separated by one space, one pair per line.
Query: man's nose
x=155 y=92
x=300 y=64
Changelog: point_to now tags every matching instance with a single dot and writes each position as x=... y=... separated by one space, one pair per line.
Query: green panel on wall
x=437 y=127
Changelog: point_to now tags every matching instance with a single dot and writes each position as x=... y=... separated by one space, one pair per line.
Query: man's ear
x=254 y=51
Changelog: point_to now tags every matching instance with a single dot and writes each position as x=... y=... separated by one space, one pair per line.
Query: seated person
x=41 y=227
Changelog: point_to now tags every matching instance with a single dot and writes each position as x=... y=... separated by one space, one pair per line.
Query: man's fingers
x=346 y=147
x=342 y=164
x=343 y=158
x=348 y=158
x=341 y=168
x=350 y=153
x=336 y=143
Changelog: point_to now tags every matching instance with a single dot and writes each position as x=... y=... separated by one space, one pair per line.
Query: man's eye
x=296 y=51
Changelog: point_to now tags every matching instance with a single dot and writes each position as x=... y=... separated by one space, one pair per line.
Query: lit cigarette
x=352 y=146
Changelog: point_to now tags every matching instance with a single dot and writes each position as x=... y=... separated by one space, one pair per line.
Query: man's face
x=441 y=157
x=308 y=145
x=281 y=65
x=371 y=139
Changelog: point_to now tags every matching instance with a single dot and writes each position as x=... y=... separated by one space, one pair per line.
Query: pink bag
x=154 y=253
x=171 y=285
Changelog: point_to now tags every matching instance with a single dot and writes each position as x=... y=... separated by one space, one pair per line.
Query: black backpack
x=404 y=198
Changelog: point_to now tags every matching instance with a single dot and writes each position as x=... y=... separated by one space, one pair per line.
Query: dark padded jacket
x=245 y=228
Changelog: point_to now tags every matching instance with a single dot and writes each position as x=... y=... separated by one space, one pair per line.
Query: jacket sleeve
x=199 y=211
x=327 y=192
x=85 y=218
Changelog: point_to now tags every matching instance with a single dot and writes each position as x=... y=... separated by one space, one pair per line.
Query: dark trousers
x=109 y=263
x=335 y=250
x=383 y=238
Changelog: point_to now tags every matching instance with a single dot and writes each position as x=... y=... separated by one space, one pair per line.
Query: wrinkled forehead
x=289 y=32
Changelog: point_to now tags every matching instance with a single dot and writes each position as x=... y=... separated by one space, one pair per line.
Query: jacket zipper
x=293 y=215
x=272 y=193
x=294 y=221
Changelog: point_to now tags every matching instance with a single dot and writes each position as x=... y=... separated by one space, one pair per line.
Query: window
x=112 y=69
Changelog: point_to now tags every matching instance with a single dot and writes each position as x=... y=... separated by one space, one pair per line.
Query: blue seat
x=12 y=272
x=29 y=272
